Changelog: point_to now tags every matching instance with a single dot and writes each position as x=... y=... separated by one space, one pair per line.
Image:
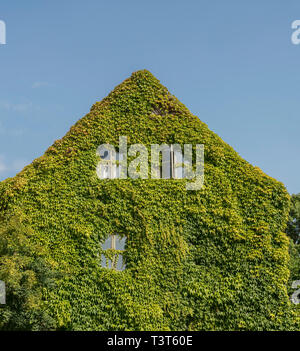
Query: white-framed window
x=112 y=252
x=176 y=163
x=169 y=165
x=108 y=167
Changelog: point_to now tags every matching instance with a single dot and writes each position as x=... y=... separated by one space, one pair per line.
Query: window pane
x=119 y=158
x=120 y=243
x=104 y=171
x=107 y=244
x=166 y=164
x=178 y=170
x=116 y=168
x=120 y=264
x=105 y=262
x=105 y=155
x=113 y=171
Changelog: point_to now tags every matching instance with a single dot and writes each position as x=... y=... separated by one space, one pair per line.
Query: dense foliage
x=294 y=262
x=26 y=273
x=214 y=259
x=293 y=228
x=293 y=231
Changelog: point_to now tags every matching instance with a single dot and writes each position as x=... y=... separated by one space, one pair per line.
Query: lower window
x=112 y=253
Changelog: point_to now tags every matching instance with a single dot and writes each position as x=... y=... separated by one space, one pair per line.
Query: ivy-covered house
x=145 y=253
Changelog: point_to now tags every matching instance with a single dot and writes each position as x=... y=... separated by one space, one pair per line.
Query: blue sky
x=232 y=63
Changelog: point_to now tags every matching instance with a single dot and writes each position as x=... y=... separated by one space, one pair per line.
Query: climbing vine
x=214 y=259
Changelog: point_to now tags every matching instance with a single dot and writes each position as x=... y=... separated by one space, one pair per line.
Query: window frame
x=112 y=163
x=176 y=172
x=112 y=263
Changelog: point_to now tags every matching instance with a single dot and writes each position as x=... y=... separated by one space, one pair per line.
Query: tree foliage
x=26 y=273
x=293 y=228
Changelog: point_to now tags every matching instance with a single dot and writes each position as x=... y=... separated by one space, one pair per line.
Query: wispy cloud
x=14 y=166
x=22 y=107
x=4 y=105
x=15 y=132
x=3 y=166
x=19 y=107
x=37 y=85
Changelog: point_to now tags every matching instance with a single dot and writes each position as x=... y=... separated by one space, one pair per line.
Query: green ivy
x=214 y=259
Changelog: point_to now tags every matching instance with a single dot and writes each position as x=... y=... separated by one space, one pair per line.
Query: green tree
x=294 y=251
x=293 y=231
x=293 y=228
x=27 y=274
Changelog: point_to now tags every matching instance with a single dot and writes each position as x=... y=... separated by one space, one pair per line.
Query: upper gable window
x=112 y=252
x=176 y=163
x=171 y=163
x=108 y=167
